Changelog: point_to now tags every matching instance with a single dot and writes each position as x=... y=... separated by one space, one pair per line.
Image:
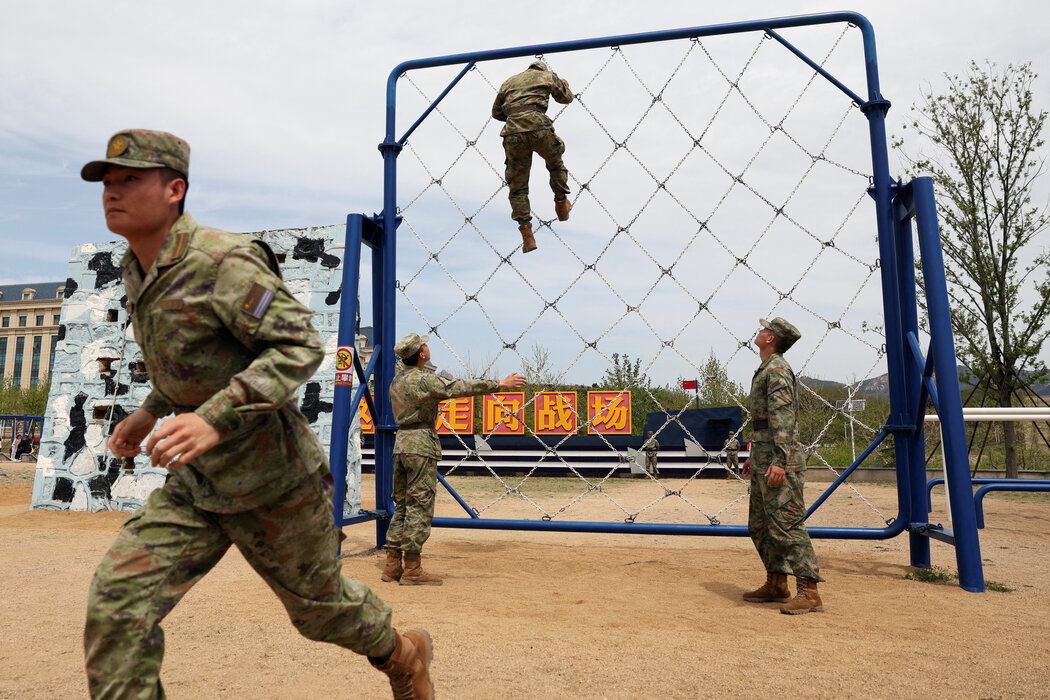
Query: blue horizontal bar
x=978 y=497
x=844 y=533
x=937 y=481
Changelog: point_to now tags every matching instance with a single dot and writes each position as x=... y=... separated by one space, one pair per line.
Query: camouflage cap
x=410 y=345
x=540 y=65
x=782 y=329
x=141 y=148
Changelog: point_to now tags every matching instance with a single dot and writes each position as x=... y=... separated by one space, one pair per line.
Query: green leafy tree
x=715 y=388
x=985 y=135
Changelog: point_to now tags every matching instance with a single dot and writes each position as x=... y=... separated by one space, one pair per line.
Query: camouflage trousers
x=776 y=523
x=415 y=487
x=169 y=545
x=733 y=461
x=650 y=463
x=519 y=149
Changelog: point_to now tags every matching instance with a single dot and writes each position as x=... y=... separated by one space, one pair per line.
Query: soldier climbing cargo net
x=718 y=175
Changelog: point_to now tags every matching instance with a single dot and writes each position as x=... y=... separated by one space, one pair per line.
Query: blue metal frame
x=894 y=206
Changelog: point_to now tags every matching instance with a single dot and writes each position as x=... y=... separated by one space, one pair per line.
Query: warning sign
x=344 y=365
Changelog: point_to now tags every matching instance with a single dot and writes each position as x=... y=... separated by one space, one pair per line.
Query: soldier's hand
x=775 y=476
x=130 y=433
x=512 y=381
x=180 y=440
x=746 y=469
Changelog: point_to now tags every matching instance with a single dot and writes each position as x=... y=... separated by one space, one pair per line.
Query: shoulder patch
x=258 y=299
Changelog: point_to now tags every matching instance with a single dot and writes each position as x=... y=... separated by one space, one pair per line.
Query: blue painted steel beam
x=846 y=533
x=978 y=497
x=942 y=345
x=937 y=481
x=844 y=475
x=342 y=408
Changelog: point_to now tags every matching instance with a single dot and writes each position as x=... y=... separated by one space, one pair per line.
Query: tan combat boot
x=409 y=666
x=806 y=600
x=774 y=590
x=562 y=207
x=415 y=576
x=392 y=570
x=528 y=241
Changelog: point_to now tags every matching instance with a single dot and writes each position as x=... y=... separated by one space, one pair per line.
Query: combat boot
x=528 y=241
x=562 y=207
x=392 y=570
x=806 y=600
x=774 y=590
x=409 y=666
x=415 y=576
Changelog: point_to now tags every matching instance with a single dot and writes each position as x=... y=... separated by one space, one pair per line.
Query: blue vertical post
x=384 y=301
x=942 y=346
x=915 y=505
x=891 y=268
x=341 y=408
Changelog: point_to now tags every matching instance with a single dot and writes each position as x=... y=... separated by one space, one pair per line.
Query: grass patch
x=942 y=576
x=934 y=575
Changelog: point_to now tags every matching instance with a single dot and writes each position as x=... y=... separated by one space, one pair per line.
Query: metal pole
x=960 y=489
x=341 y=408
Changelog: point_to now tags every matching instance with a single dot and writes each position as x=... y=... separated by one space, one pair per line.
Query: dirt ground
x=529 y=615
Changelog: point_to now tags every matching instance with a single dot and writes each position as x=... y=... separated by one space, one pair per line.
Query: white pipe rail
x=984 y=413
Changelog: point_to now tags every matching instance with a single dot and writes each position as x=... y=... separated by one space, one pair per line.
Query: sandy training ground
x=530 y=615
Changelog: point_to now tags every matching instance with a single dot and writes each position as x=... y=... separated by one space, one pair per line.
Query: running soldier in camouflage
x=777 y=466
x=226 y=346
x=415 y=397
x=522 y=103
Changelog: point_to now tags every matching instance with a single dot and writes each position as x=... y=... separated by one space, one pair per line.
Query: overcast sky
x=283 y=103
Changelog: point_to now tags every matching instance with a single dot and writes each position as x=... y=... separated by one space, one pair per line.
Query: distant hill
x=880 y=386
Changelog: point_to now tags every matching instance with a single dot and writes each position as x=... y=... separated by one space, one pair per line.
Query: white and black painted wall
x=98 y=365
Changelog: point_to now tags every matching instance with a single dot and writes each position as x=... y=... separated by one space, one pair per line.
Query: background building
x=29 y=330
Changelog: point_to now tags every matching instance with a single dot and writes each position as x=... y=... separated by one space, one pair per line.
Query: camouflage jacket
x=522 y=100
x=774 y=417
x=222 y=336
x=415 y=395
x=651 y=445
x=732 y=445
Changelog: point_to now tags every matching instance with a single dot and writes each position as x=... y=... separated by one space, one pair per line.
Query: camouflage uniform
x=522 y=103
x=776 y=516
x=732 y=450
x=651 y=448
x=414 y=398
x=222 y=336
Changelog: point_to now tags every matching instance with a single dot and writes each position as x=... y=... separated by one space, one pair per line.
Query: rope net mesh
x=713 y=182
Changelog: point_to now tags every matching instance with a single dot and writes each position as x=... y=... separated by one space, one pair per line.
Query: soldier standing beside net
x=732 y=450
x=777 y=466
x=522 y=103
x=415 y=397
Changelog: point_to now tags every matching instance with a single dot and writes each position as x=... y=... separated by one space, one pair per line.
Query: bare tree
x=986 y=137
x=539 y=368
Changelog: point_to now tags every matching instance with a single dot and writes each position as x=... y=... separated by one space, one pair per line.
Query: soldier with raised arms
x=416 y=394
x=226 y=347
x=777 y=466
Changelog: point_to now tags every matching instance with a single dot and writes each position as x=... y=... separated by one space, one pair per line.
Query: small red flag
x=689 y=384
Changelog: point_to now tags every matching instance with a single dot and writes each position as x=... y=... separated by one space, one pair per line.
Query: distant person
x=25 y=447
x=522 y=103
x=777 y=467
x=415 y=397
x=226 y=346
x=732 y=450
x=652 y=447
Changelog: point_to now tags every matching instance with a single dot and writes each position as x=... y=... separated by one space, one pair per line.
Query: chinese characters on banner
x=609 y=412
x=554 y=413
x=503 y=414
x=368 y=426
x=456 y=416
